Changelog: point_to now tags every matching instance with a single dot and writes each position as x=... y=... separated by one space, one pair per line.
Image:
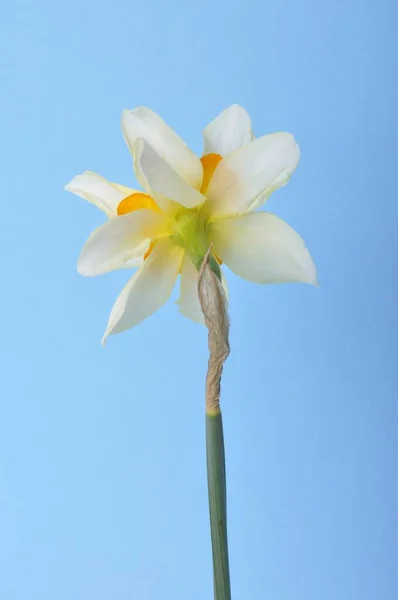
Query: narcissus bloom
x=187 y=204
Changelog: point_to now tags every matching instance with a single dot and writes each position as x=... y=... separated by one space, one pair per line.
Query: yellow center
x=140 y=200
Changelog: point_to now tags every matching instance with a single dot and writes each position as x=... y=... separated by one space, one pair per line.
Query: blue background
x=102 y=459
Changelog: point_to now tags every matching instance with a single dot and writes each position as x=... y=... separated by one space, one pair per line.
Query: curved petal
x=104 y=194
x=244 y=179
x=148 y=289
x=162 y=180
x=189 y=301
x=126 y=191
x=262 y=248
x=144 y=123
x=115 y=243
x=230 y=130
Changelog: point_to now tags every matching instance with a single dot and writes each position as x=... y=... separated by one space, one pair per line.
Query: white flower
x=187 y=204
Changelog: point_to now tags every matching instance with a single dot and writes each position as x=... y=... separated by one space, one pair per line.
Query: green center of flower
x=189 y=231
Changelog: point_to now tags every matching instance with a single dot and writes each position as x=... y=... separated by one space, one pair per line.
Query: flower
x=187 y=204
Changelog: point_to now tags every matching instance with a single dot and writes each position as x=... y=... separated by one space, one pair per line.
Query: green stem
x=218 y=505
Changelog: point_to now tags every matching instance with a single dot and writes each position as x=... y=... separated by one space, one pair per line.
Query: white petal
x=162 y=179
x=189 y=300
x=262 y=248
x=115 y=243
x=137 y=261
x=230 y=130
x=126 y=191
x=244 y=179
x=104 y=194
x=148 y=289
x=225 y=284
x=144 y=123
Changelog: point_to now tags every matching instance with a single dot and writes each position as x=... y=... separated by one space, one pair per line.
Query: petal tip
x=237 y=107
x=312 y=279
x=190 y=317
x=310 y=270
x=108 y=331
x=83 y=269
x=80 y=270
x=69 y=187
x=125 y=115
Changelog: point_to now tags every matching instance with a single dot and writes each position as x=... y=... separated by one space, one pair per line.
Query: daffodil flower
x=186 y=205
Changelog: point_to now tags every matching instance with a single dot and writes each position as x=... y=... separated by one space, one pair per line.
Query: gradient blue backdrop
x=102 y=468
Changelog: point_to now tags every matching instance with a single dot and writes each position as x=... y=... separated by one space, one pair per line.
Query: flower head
x=187 y=204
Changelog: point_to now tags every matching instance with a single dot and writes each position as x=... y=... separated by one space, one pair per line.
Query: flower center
x=189 y=231
x=189 y=226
